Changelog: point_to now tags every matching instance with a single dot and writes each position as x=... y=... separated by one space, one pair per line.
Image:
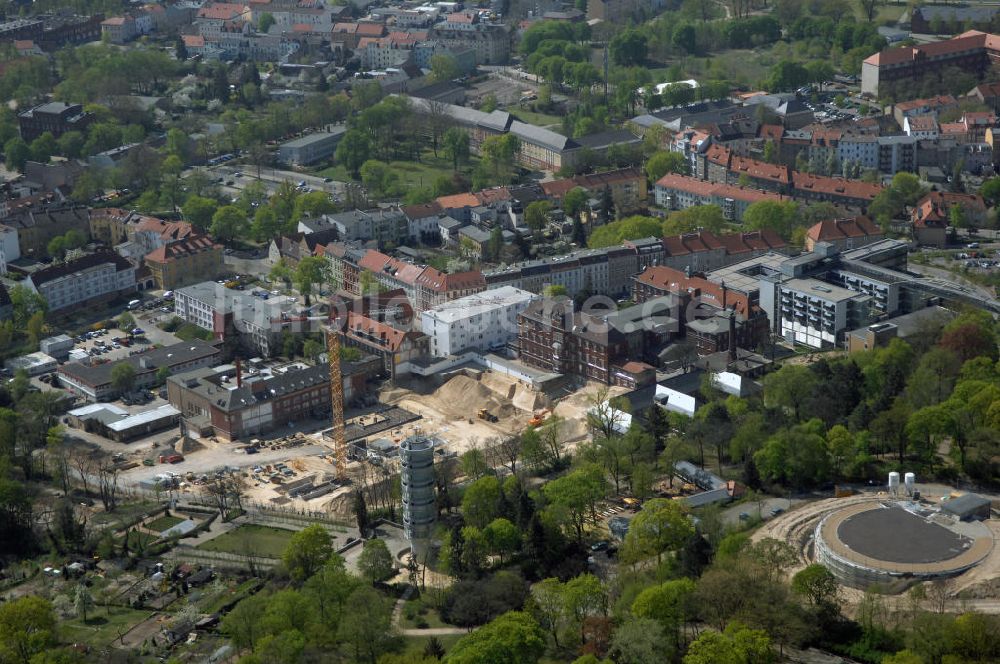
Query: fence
x=187 y=553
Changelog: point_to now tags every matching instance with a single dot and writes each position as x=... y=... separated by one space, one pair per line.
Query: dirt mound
x=463 y=396
x=185 y=445
x=529 y=400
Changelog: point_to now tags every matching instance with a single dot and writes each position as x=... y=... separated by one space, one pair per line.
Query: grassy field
x=416 y=644
x=124 y=513
x=538 y=119
x=411 y=173
x=267 y=542
x=163 y=523
x=412 y=619
x=102 y=627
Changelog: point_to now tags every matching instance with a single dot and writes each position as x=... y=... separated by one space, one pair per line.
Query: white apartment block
x=484 y=321
x=862 y=149
x=76 y=283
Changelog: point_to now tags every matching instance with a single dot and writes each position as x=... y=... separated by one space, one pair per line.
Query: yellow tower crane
x=337 y=402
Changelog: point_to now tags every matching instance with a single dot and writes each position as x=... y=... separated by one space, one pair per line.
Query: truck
x=171 y=458
x=485 y=414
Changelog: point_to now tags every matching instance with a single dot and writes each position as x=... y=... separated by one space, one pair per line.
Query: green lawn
x=416 y=644
x=413 y=619
x=266 y=541
x=163 y=523
x=411 y=173
x=102 y=626
x=538 y=119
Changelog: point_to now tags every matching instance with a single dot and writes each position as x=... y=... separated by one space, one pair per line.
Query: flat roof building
x=311 y=148
x=484 y=321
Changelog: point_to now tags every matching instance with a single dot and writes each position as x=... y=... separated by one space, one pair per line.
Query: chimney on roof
x=732 y=335
x=239 y=373
x=724 y=291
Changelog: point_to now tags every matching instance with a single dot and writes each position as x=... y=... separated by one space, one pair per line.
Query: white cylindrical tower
x=416 y=455
x=893 y=482
x=910 y=482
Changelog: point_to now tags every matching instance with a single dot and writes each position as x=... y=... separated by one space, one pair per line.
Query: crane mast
x=337 y=402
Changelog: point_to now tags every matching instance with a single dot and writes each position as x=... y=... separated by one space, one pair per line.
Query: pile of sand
x=462 y=396
x=529 y=400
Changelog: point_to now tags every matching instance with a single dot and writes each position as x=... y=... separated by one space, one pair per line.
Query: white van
x=134 y=304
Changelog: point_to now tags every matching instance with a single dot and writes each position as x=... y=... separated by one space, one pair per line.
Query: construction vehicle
x=484 y=414
x=538 y=417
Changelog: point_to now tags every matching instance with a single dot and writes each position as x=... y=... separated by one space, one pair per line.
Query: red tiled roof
x=181 y=249
x=634 y=367
x=493 y=195
x=345 y=28
x=465 y=281
x=370 y=29
x=167 y=230
x=841 y=229
x=773 y=132
x=922 y=123
x=114 y=20
x=422 y=210
x=928 y=103
x=559 y=188
x=705 y=188
x=366 y=329
x=195 y=41
x=221 y=11
x=760 y=170
x=461 y=17
x=674 y=281
x=835 y=186
x=458 y=201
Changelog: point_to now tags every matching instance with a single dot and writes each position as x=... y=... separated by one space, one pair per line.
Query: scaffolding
x=337 y=402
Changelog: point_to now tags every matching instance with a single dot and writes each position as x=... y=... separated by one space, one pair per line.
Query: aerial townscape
x=499 y=332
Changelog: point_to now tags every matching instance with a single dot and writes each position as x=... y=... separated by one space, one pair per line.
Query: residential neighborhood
x=404 y=332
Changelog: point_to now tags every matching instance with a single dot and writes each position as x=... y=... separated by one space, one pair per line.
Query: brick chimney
x=239 y=373
x=732 y=335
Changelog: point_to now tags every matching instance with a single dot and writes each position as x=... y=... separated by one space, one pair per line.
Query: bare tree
x=107 y=481
x=508 y=449
x=85 y=464
x=602 y=416
x=226 y=491
x=438 y=122
x=870 y=8
x=445 y=472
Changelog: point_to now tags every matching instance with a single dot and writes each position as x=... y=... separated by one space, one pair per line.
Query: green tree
x=664 y=162
x=27 y=627
x=444 y=67
x=199 y=211
x=353 y=151
x=789 y=387
x=480 y=501
x=228 y=222
x=375 y=561
x=16 y=152
x=378 y=178
x=513 y=638
x=575 y=202
x=639 y=641
x=455 y=143
x=817 y=584
x=123 y=377
x=489 y=103
x=668 y=604
x=307 y=551
x=630 y=228
x=503 y=538
x=780 y=217
x=575 y=495
x=709 y=217
x=310 y=271
x=628 y=48
x=736 y=645
x=126 y=321
x=535 y=215
x=661 y=527
x=367 y=628
x=265 y=22
x=83 y=601
x=70 y=144
x=43 y=147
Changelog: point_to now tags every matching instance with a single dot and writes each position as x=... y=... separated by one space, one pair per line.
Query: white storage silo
x=909 y=481
x=893 y=482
